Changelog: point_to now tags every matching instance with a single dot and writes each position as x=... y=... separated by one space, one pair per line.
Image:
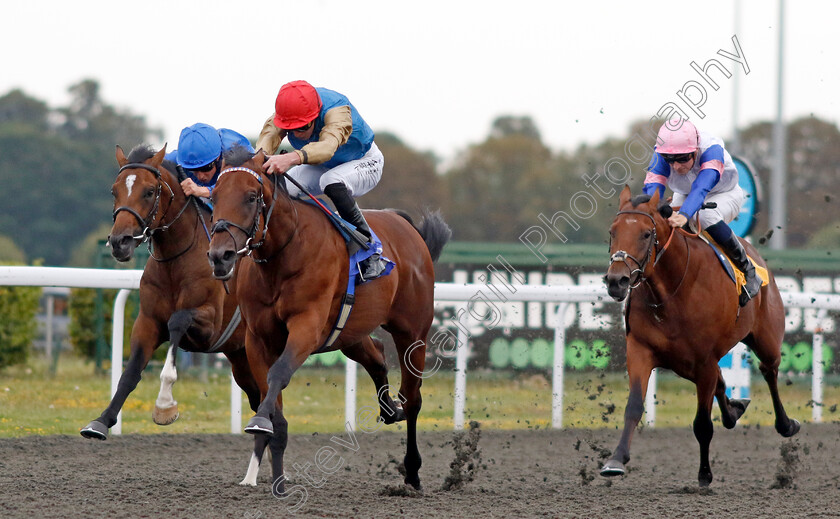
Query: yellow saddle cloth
x=740 y=279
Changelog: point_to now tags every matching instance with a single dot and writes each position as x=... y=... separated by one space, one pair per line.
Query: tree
x=813 y=173
x=496 y=186
x=409 y=180
x=56 y=175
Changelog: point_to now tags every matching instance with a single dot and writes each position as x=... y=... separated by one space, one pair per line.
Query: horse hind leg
x=703 y=428
x=166 y=408
x=412 y=352
x=260 y=443
x=769 y=366
x=370 y=353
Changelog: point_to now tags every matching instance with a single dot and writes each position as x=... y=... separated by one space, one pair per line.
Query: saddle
x=731 y=270
x=357 y=254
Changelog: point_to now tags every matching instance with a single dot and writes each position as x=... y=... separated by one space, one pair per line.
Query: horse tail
x=434 y=230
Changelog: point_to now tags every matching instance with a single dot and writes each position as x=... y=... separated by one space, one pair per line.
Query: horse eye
x=646 y=235
x=149 y=193
x=252 y=198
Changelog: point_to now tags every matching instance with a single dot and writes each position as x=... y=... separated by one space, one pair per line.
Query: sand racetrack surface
x=523 y=473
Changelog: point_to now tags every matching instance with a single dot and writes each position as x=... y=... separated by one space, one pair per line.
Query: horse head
x=635 y=233
x=137 y=195
x=238 y=208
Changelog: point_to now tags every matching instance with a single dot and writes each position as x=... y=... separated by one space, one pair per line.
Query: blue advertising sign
x=749 y=182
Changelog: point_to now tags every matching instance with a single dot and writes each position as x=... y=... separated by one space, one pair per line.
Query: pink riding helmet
x=675 y=141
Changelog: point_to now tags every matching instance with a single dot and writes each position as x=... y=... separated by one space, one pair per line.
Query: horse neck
x=668 y=276
x=182 y=225
x=283 y=235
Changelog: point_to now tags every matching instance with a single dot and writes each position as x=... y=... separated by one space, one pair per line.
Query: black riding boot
x=732 y=247
x=349 y=210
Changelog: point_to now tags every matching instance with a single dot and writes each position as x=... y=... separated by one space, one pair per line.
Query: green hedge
x=18 y=307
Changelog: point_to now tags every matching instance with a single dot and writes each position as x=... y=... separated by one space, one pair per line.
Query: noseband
x=225 y=225
x=622 y=256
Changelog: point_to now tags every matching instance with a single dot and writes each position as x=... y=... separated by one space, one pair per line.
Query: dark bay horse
x=683 y=314
x=295 y=286
x=180 y=300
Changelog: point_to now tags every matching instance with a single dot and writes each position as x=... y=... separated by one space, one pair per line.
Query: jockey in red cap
x=334 y=153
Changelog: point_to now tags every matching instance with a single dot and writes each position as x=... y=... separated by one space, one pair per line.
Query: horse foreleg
x=166 y=408
x=145 y=337
x=730 y=410
x=639 y=367
x=370 y=353
x=280 y=374
x=703 y=428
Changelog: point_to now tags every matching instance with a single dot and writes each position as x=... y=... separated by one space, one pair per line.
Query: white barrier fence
x=460 y=295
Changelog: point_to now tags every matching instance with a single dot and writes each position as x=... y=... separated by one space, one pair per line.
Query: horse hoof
x=792 y=429
x=704 y=480
x=95 y=430
x=166 y=416
x=397 y=416
x=413 y=484
x=613 y=468
x=259 y=425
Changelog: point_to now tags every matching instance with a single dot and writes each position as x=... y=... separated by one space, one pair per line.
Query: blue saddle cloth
x=357 y=253
x=723 y=261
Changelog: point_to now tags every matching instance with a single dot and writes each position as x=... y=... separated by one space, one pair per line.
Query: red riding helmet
x=297 y=105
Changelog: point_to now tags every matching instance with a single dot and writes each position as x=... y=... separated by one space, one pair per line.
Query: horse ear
x=157 y=160
x=654 y=200
x=259 y=156
x=121 y=160
x=624 y=197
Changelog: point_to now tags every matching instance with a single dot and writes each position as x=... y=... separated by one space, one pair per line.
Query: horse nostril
x=229 y=255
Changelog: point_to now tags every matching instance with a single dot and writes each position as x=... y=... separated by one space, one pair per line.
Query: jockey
x=199 y=153
x=698 y=169
x=334 y=153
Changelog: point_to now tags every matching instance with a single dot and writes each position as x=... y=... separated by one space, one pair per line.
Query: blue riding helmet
x=231 y=138
x=198 y=145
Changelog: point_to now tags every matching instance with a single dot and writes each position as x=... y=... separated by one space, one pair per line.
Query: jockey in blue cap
x=199 y=153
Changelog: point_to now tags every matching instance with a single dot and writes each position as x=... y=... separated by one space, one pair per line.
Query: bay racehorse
x=180 y=301
x=295 y=286
x=682 y=314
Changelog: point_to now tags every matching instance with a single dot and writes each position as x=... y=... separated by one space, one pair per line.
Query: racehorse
x=295 y=288
x=682 y=314
x=180 y=301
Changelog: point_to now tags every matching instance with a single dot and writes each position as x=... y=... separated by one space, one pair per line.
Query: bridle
x=146 y=223
x=251 y=233
x=652 y=252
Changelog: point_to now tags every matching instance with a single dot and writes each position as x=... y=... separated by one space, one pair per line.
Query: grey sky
x=436 y=73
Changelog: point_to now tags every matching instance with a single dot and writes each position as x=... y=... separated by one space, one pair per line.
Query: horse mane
x=237 y=155
x=639 y=199
x=141 y=153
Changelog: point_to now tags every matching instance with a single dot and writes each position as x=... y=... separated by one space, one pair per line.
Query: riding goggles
x=682 y=158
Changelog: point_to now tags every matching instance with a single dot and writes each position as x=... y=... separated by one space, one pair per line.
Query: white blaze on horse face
x=631 y=220
x=129 y=182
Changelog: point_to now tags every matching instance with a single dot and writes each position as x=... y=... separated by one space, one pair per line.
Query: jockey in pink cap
x=698 y=169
